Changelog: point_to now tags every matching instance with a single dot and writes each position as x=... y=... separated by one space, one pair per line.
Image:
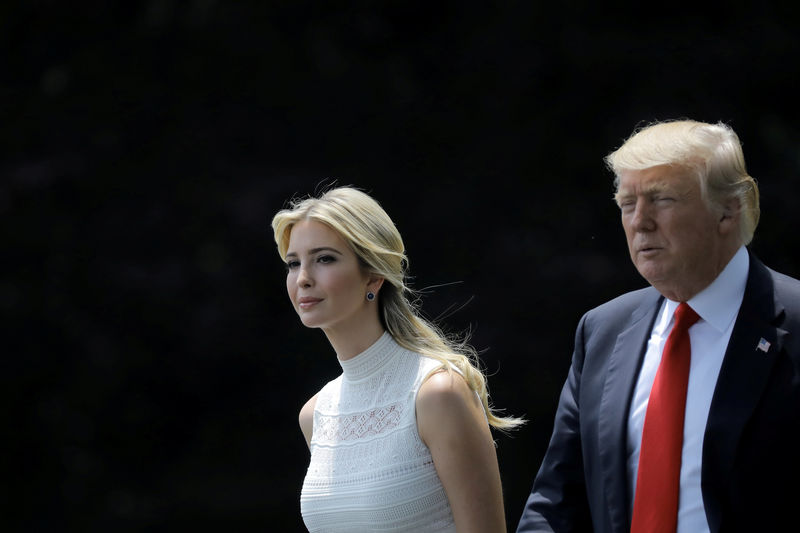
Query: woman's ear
x=375 y=283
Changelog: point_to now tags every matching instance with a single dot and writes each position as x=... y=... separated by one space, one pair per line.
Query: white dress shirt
x=718 y=305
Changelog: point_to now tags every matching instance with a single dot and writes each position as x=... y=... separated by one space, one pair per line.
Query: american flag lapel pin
x=763 y=345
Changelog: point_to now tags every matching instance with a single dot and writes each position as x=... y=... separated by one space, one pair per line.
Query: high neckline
x=370 y=360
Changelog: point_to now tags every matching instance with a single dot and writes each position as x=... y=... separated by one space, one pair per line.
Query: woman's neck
x=348 y=342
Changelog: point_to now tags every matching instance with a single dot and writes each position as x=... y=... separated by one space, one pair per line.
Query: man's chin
x=651 y=272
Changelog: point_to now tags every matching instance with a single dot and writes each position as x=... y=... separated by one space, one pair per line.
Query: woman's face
x=325 y=281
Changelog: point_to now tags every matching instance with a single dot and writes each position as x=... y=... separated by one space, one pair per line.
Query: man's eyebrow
x=647 y=190
x=659 y=186
x=623 y=193
x=317 y=250
x=650 y=188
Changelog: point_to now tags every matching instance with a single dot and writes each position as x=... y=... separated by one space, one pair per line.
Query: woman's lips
x=307 y=302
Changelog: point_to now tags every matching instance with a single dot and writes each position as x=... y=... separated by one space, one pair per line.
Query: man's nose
x=642 y=219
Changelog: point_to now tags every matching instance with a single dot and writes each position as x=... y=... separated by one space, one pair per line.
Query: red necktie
x=655 y=506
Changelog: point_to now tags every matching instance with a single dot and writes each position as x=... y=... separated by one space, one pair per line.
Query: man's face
x=675 y=240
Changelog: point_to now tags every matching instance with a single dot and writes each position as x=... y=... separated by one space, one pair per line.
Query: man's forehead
x=655 y=179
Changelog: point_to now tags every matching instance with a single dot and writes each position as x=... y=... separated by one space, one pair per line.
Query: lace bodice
x=369 y=469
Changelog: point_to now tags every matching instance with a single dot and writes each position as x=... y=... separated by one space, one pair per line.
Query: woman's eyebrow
x=324 y=249
x=316 y=250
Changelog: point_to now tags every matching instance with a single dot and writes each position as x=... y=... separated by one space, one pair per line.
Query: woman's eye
x=326 y=259
x=290 y=265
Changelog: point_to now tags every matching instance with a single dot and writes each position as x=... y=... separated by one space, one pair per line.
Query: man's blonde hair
x=712 y=151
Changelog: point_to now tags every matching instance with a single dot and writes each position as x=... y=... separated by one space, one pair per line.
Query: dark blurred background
x=153 y=367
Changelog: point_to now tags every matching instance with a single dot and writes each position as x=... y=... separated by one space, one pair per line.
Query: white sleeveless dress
x=369 y=469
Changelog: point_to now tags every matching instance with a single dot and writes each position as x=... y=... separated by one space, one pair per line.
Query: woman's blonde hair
x=375 y=240
x=712 y=151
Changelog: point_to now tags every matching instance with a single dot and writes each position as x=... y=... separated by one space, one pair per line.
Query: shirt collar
x=718 y=304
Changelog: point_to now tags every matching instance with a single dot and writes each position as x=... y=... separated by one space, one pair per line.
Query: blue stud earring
x=370 y=296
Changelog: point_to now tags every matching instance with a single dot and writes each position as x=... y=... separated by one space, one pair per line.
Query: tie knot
x=685 y=316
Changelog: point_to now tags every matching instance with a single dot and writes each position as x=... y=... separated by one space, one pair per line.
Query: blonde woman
x=401 y=440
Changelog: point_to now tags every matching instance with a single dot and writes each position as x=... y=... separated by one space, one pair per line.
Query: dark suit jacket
x=751 y=450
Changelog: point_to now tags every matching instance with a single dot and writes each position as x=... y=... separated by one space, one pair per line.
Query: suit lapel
x=621 y=375
x=742 y=378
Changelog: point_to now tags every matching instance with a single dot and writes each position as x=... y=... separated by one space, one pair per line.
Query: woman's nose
x=304 y=278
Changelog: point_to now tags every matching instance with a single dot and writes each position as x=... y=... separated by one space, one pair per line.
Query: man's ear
x=730 y=215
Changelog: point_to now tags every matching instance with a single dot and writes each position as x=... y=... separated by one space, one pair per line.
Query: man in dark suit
x=688 y=209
